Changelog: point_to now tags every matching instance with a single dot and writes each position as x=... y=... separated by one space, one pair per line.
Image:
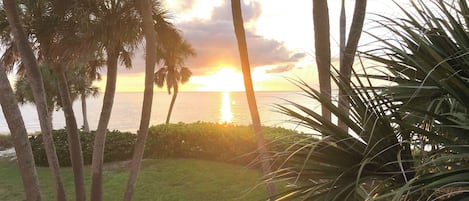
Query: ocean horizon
x=221 y=107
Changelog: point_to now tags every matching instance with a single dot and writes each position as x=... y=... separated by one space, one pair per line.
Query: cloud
x=215 y=42
x=250 y=11
x=280 y=69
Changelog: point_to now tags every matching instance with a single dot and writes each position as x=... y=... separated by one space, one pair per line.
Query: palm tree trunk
x=76 y=155
x=19 y=134
x=322 y=50
x=144 y=8
x=349 y=54
x=251 y=98
x=86 y=126
x=100 y=136
x=37 y=87
x=173 y=100
x=342 y=32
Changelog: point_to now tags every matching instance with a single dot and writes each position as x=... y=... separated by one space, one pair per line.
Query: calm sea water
x=190 y=107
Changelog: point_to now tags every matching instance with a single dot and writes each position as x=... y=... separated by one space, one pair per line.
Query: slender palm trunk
x=342 y=33
x=86 y=126
x=74 y=144
x=251 y=98
x=144 y=8
x=323 y=50
x=37 y=87
x=173 y=100
x=100 y=136
x=19 y=134
x=349 y=54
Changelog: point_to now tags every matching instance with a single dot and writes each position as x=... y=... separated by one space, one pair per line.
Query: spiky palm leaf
x=427 y=64
x=337 y=165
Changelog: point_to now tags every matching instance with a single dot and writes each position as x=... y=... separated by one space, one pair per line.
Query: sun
x=228 y=79
x=224 y=79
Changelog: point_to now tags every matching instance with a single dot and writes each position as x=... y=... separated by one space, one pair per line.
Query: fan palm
x=35 y=78
x=340 y=165
x=323 y=49
x=146 y=10
x=250 y=96
x=173 y=72
x=80 y=87
x=427 y=64
x=407 y=141
x=117 y=31
x=20 y=137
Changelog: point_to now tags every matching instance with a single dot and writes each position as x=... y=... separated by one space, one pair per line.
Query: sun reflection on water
x=226 y=116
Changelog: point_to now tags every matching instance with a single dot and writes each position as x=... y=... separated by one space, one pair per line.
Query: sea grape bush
x=119 y=146
x=200 y=140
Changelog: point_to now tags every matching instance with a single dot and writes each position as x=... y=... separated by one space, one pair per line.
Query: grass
x=159 y=180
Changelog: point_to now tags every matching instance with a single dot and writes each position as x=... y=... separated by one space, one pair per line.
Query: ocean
x=229 y=107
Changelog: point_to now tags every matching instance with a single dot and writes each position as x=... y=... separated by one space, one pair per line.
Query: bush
x=119 y=146
x=6 y=142
x=208 y=141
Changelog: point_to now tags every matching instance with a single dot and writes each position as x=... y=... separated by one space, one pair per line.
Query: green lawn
x=159 y=180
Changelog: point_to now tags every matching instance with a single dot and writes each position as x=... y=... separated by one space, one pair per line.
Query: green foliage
x=119 y=146
x=406 y=141
x=211 y=141
x=5 y=142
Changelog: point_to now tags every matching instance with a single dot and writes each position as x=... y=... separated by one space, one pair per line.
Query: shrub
x=6 y=142
x=200 y=140
x=210 y=141
x=119 y=146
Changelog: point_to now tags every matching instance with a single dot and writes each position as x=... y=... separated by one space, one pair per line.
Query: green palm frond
x=340 y=165
x=427 y=66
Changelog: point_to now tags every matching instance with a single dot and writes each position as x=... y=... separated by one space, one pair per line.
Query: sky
x=280 y=43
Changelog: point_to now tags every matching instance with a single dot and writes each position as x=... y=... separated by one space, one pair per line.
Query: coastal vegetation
x=227 y=143
x=398 y=130
x=407 y=139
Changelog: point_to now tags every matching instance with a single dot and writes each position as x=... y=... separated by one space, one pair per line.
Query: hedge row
x=119 y=147
x=210 y=141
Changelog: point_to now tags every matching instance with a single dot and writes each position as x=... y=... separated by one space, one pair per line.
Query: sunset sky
x=279 y=35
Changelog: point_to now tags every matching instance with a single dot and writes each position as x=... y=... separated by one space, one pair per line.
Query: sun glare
x=226 y=116
x=224 y=79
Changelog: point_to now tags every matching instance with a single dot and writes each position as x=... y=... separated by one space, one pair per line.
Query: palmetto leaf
x=340 y=165
x=427 y=64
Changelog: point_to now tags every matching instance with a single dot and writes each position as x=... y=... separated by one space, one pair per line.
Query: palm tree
x=251 y=98
x=348 y=51
x=24 y=93
x=172 y=76
x=82 y=84
x=30 y=63
x=173 y=73
x=19 y=134
x=80 y=87
x=111 y=18
x=322 y=49
x=406 y=140
x=334 y=164
x=427 y=66
x=65 y=34
x=146 y=10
